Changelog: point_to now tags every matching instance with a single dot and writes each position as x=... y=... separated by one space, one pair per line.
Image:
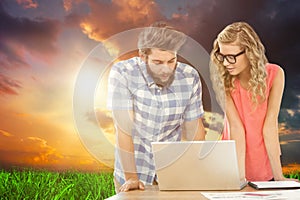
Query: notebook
x=197 y=165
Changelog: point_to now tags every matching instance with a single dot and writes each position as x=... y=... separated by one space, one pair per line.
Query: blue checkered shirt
x=158 y=112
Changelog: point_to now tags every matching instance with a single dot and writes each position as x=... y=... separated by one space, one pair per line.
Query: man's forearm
x=123 y=122
x=194 y=130
x=126 y=153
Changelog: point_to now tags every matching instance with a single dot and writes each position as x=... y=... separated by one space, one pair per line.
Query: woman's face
x=234 y=59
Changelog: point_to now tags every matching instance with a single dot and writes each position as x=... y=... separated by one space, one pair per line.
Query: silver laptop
x=197 y=165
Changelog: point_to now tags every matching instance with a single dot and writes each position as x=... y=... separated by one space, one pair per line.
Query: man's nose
x=166 y=69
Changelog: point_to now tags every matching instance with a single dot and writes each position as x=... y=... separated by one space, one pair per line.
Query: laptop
x=197 y=165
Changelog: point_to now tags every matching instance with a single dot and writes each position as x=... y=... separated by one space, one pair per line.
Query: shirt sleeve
x=194 y=109
x=119 y=96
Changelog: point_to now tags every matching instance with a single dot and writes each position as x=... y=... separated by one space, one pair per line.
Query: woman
x=253 y=91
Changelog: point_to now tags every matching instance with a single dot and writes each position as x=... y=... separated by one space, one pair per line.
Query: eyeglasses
x=229 y=57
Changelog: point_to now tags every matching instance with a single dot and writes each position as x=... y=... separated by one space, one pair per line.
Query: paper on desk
x=272 y=195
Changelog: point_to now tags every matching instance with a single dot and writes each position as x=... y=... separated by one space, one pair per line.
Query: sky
x=45 y=46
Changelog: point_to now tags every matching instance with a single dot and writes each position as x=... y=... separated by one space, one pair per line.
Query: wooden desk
x=152 y=192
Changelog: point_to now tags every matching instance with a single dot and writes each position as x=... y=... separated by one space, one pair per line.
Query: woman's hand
x=286 y=179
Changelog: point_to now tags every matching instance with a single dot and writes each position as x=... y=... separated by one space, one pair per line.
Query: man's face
x=161 y=66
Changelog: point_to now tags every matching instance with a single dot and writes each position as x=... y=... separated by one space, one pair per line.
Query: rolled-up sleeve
x=119 y=96
x=195 y=109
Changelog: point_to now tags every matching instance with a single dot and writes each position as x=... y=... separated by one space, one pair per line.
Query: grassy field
x=32 y=184
x=293 y=174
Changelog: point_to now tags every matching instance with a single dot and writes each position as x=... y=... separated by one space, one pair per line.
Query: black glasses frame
x=231 y=58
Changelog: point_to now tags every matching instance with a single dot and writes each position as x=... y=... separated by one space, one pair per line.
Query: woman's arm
x=270 y=128
x=237 y=133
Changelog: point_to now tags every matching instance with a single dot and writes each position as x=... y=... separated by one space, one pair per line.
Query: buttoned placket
x=157 y=92
x=160 y=110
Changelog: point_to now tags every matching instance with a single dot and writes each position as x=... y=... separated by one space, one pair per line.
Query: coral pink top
x=258 y=167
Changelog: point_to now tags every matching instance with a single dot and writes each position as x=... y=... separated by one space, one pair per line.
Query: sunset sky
x=46 y=45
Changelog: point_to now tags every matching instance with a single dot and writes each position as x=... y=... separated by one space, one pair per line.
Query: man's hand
x=132 y=184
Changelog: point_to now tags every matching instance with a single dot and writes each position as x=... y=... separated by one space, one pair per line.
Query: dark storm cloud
x=290 y=148
x=18 y=34
x=291 y=118
x=280 y=33
x=210 y=17
x=276 y=22
x=10 y=57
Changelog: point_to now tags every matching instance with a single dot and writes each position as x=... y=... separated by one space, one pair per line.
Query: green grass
x=294 y=174
x=33 y=184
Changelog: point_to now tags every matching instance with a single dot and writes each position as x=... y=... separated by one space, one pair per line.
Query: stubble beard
x=157 y=80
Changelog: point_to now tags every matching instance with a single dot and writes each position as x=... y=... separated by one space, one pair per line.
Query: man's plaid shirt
x=158 y=112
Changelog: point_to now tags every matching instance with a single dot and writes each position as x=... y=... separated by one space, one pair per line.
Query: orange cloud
x=105 y=121
x=28 y=3
x=290 y=168
x=4 y=133
x=135 y=11
x=176 y=16
x=36 y=152
x=30 y=150
x=67 y=5
x=34 y=140
x=42 y=153
x=106 y=19
x=284 y=129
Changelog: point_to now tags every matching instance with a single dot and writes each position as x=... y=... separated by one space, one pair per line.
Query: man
x=153 y=98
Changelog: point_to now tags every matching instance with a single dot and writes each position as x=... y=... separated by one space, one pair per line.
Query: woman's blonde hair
x=243 y=35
